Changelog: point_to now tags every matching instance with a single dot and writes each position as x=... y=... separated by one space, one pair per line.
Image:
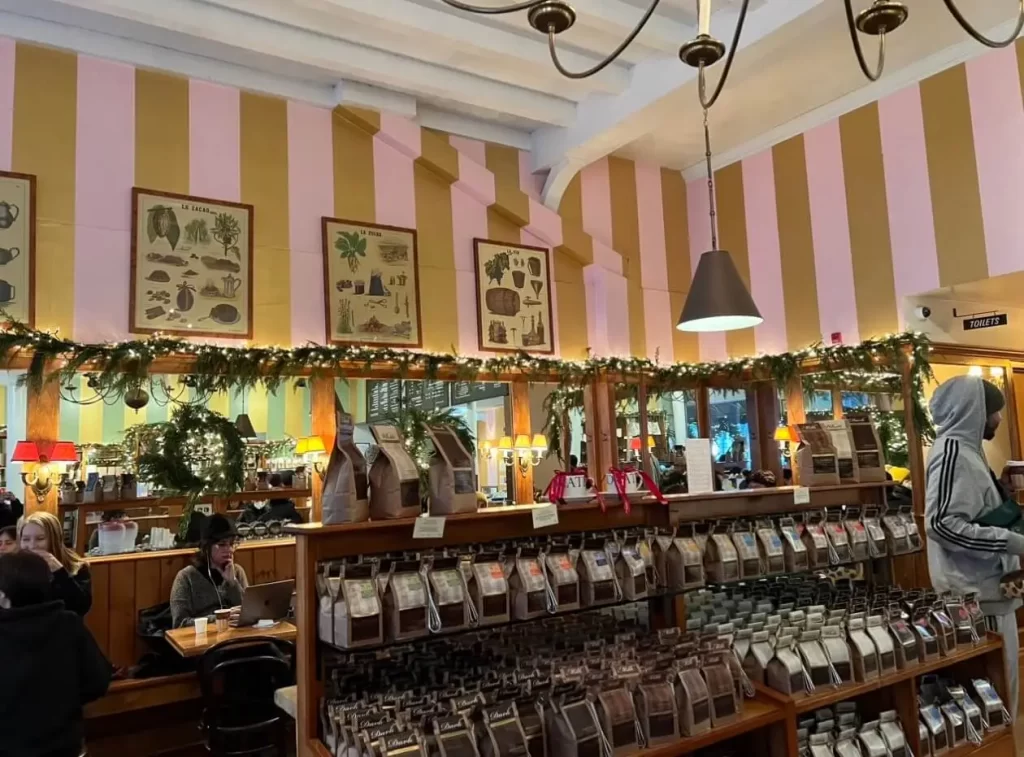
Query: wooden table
x=188 y=644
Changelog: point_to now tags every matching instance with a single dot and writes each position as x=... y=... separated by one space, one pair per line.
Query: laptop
x=266 y=602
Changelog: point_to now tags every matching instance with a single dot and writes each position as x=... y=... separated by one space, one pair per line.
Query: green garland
x=197 y=453
x=122 y=366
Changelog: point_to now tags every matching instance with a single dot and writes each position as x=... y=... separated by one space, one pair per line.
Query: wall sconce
x=502 y=450
x=529 y=452
x=976 y=370
x=784 y=436
x=634 y=444
x=311 y=449
x=49 y=458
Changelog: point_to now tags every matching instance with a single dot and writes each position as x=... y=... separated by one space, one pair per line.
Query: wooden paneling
x=42 y=425
x=521 y=425
x=125 y=584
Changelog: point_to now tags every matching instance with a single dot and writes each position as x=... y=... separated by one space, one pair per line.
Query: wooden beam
x=521 y=424
x=795 y=414
x=645 y=452
x=915 y=461
x=322 y=399
x=42 y=424
x=703 y=395
x=767 y=420
x=837 y=404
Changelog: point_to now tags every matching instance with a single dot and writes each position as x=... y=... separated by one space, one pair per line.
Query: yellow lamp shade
x=505 y=442
x=522 y=441
x=540 y=442
x=486 y=446
x=310 y=445
x=650 y=442
x=783 y=434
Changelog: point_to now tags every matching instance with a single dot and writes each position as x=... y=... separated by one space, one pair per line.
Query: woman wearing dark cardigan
x=41 y=533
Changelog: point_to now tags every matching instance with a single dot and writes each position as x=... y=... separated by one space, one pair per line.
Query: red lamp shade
x=64 y=452
x=634 y=444
x=25 y=452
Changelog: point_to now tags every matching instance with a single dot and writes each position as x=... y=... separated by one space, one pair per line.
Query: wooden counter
x=188 y=643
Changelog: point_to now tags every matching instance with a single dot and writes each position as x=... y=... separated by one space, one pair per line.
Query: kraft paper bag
x=346 y=483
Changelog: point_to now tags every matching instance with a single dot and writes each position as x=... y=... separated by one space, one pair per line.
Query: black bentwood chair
x=238 y=679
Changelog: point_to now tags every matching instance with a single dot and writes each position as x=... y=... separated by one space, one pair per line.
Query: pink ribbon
x=555 y=490
x=619 y=479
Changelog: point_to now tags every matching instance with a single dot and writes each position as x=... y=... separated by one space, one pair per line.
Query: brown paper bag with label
x=346 y=484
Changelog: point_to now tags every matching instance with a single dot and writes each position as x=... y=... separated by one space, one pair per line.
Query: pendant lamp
x=718 y=299
x=244 y=426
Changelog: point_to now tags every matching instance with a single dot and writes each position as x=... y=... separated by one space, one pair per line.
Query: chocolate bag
x=563 y=579
x=405 y=602
x=573 y=730
x=841 y=438
x=394 y=478
x=489 y=589
x=448 y=595
x=346 y=485
x=816 y=461
x=528 y=585
x=867 y=449
x=721 y=561
x=597 y=575
x=617 y=717
x=452 y=478
x=794 y=549
x=692 y=700
x=350 y=612
x=656 y=711
x=631 y=571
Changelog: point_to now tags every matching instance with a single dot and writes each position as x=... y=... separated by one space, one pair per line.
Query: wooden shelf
x=262 y=494
x=161 y=554
x=174 y=501
x=996 y=743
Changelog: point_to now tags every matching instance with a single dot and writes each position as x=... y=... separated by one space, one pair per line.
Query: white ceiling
x=490 y=77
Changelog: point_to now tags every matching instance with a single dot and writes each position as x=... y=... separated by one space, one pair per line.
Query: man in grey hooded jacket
x=965 y=552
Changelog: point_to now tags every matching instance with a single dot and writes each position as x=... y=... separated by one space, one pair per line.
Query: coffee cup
x=222 y=617
x=575 y=486
x=632 y=481
x=200 y=624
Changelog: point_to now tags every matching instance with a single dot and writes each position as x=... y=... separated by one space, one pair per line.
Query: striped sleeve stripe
x=947 y=472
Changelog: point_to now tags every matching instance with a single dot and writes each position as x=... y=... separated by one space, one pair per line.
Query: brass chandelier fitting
x=553 y=17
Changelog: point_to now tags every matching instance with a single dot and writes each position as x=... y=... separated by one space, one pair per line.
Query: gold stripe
x=353 y=172
x=503 y=162
x=264 y=133
x=953 y=177
x=45 y=105
x=870 y=247
x=732 y=228
x=626 y=241
x=440 y=319
x=573 y=337
x=685 y=345
x=437 y=154
x=792 y=205
x=161 y=132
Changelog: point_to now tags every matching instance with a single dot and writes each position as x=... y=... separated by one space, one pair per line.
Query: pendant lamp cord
x=711 y=182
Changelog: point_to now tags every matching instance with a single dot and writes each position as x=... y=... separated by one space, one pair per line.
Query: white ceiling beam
x=464 y=31
x=375 y=98
x=606 y=123
x=473 y=128
x=893 y=81
x=251 y=36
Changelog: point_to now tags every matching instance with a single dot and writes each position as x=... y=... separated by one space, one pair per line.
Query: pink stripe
x=915 y=259
x=594 y=277
x=475 y=180
x=712 y=345
x=618 y=314
x=545 y=224
x=401 y=133
x=104 y=175
x=214 y=141
x=525 y=237
x=763 y=252
x=310 y=197
x=469 y=221
x=830 y=232
x=529 y=183
x=7 y=55
x=394 y=186
x=606 y=257
x=658 y=325
x=997 y=115
x=473 y=149
x=595 y=189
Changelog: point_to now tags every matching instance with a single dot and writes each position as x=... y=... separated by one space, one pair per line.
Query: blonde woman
x=41 y=533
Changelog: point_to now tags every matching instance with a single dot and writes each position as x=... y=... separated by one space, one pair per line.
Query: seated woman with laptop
x=215 y=582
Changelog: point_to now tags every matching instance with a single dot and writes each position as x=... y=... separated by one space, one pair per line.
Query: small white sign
x=801 y=495
x=428 y=528
x=545 y=516
x=700 y=473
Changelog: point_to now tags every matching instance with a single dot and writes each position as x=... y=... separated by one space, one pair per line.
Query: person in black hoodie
x=41 y=533
x=50 y=662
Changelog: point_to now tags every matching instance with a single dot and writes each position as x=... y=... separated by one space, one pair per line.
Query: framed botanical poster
x=371 y=284
x=17 y=245
x=191 y=266
x=513 y=297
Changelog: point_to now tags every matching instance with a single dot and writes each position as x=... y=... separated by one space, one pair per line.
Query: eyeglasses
x=230 y=543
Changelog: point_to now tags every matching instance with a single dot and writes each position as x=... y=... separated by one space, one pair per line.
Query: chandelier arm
x=969 y=28
x=492 y=11
x=706 y=102
x=852 y=26
x=614 y=54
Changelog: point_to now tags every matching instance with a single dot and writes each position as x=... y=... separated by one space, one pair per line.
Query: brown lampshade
x=718 y=299
x=244 y=426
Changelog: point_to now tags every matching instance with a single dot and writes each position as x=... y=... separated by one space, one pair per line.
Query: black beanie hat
x=994 y=400
x=217 y=528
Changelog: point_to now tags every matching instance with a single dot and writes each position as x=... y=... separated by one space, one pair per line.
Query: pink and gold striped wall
x=830 y=228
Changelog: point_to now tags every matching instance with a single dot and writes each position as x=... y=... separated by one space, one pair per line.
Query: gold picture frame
x=192 y=266
x=513 y=291
x=371 y=284
x=18 y=246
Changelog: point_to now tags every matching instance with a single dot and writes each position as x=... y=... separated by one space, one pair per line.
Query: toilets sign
x=984 y=321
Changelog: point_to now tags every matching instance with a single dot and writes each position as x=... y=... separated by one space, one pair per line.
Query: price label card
x=801 y=495
x=545 y=516
x=428 y=528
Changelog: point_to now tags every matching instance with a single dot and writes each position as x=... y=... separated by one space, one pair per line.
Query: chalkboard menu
x=383 y=399
x=386 y=398
x=464 y=392
x=427 y=395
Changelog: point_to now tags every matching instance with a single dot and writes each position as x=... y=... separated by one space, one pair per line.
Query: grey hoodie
x=962 y=555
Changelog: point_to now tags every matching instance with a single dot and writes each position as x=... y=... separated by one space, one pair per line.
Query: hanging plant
x=197 y=453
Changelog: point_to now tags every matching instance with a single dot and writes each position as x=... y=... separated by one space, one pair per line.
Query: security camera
x=923 y=312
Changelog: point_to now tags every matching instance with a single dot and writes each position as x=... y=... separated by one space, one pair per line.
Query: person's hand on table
x=236 y=613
